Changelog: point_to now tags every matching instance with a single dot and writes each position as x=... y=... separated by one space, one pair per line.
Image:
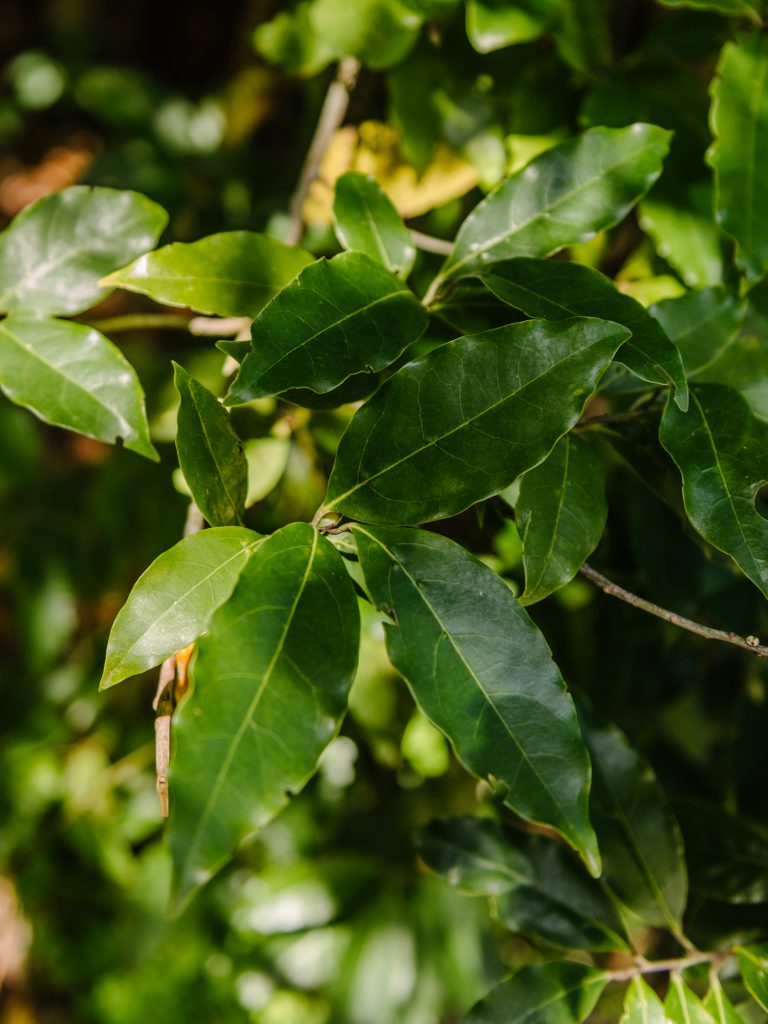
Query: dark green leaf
x=171 y=603
x=367 y=222
x=583 y=36
x=482 y=672
x=561 y=513
x=430 y=8
x=640 y=842
x=556 y=290
x=727 y=854
x=493 y=24
x=702 y=324
x=730 y=8
x=420 y=450
x=340 y=317
x=642 y=1005
x=564 y=196
x=739 y=120
x=271 y=682
x=210 y=453
x=55 y=253
x=475 y=855
x=753 y=964
x=72 y=376
x=721 y=450
x=234 y=273
x=682 y=1006
x=551 y=993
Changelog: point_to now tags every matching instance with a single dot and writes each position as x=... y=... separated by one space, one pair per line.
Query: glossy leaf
x=552 y=993
x=482 y=672
x=475 y=855
x=682 y=1006
x=210 y=453
x=419 y=450
x=642 y=1005
x=71 y=376
x=367 y=222
x=172 y=602
x=730 y=8
x=702 y=324
x=271 y=679
x=234 y=273
x=721 y=450
x=564 y=196
x=494 y=24
x=753 y=964
x=54 y=254
x=640 y=842
x=727 y=854
x=685 y=235
x=340 y=317
x=561 y=513
x=556 y=290
x=739 y=154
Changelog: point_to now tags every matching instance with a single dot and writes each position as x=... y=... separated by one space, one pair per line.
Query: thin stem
x=332 y=114
x=644 y=966
x=428 y=243
x=203 y=326
x=750 y=643
x=431 y=293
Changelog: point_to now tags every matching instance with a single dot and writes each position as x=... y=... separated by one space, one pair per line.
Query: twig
x=332 y=114
x=644 y=966
x=430 y=244
x=202 y=326
x=750 y=643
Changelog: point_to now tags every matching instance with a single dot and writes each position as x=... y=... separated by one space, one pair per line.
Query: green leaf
x=72 y=376
x=267 y=458
x=685 y=235
x=482 y=672
x=555 y=290
x=702 y=324
x=541 y=891
x=290 y=40
x=367 y=222
x=561 y=513
x=583 y=36
x=682 y=1006
x=419 y=450
x=642 y=1005
x=640 y=842
x=171 y=604
x=753 y=964
x=54 y=254
x=719 y=1006
x=210 y=453
x=234 y=273
x=431 y=8
x=739 y=118
x=340 y=317
x=551 y=993
x=271 y=680
x=564 y=196
x=379 y=32
x=730 y=8
x=494 y=24
x=721 y=450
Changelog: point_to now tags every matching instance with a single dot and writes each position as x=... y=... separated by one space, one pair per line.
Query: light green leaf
x=430 y=8
x=72 y=376
x=367 y=222
x=552 y=993
x=494 y=24
x=340 y=317
x=564 y=196
x=721 y=450
x=210 y=453
x=54 y=254
x=234 y=273
x=482 y=672
x=642 y=1005
x=555 y=290
x=290 y=39
x=702 y=324
x=379 y=32
x=753 y=964
x=419 y=450
x=730 y=8
x=739 y=118
x=682 y=1006
x=267 y=458
x=172 y=601
x=685 y=235
x=561 y=513
x=271 y=680
x=640 y=842
x=719 y=1006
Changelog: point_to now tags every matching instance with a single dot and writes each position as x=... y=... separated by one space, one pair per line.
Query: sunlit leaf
x=367 y=222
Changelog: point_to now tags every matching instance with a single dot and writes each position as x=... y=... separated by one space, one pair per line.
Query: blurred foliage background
x=329 y=916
